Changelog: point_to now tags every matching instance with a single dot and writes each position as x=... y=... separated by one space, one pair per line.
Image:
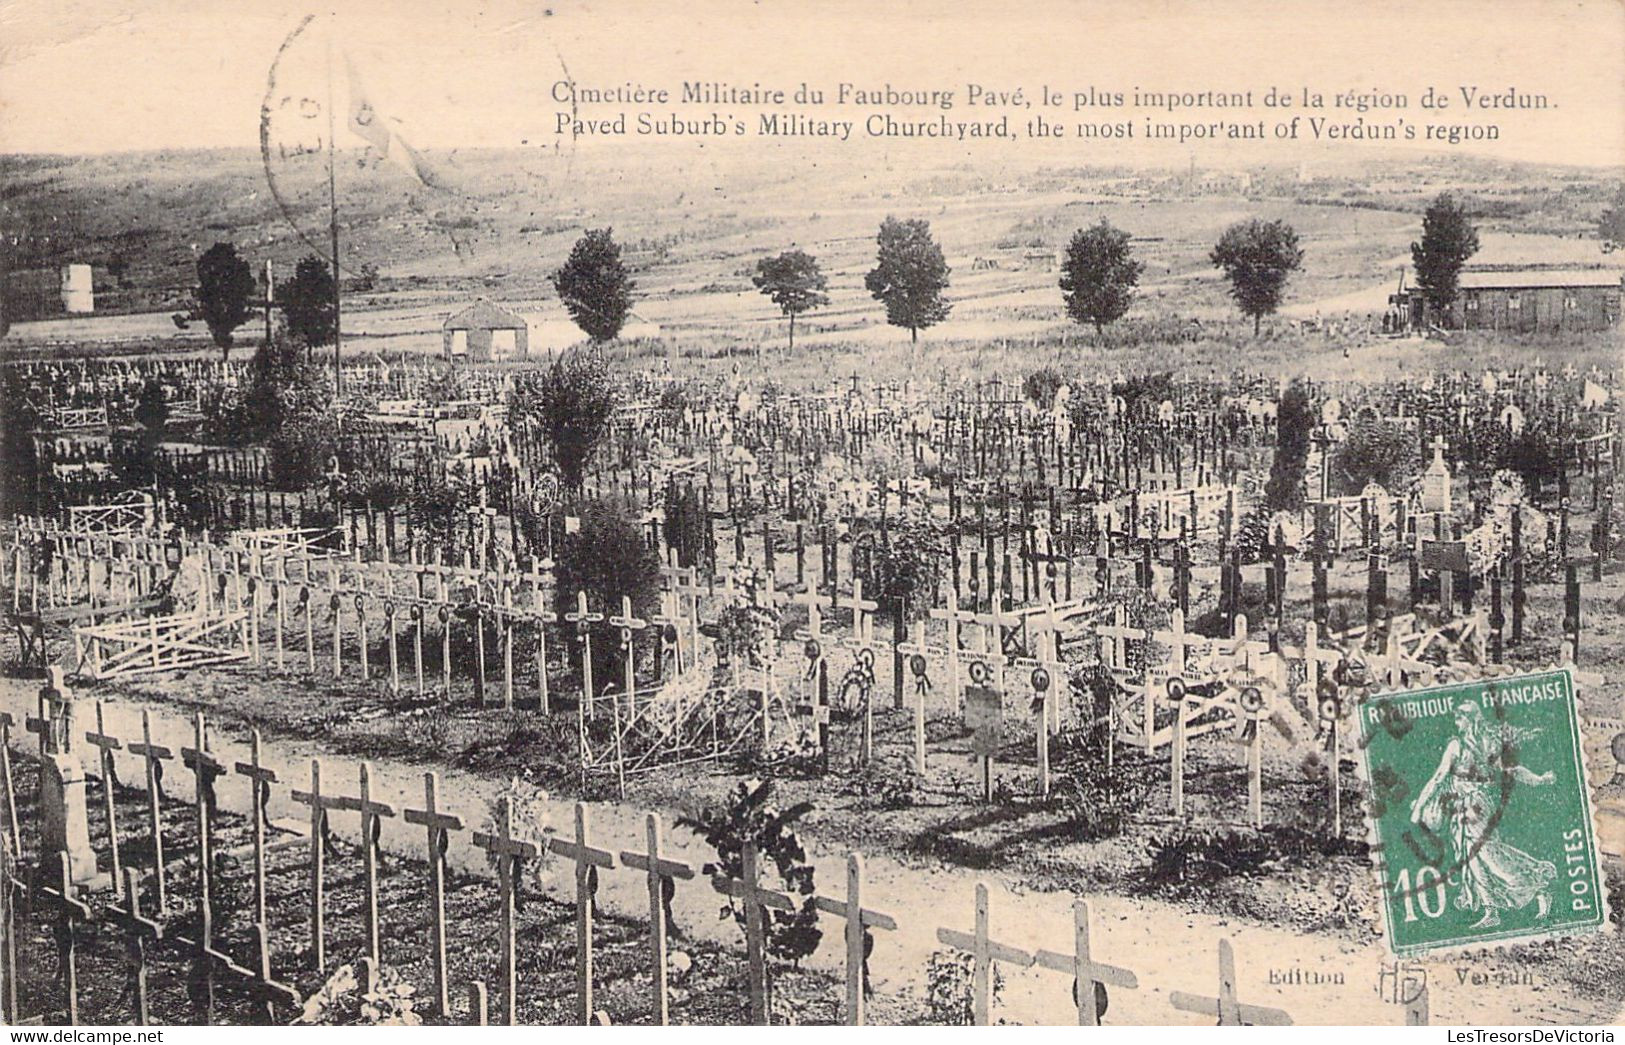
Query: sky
x=82 y=77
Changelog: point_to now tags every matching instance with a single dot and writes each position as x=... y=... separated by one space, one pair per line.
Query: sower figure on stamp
x=1461 y=801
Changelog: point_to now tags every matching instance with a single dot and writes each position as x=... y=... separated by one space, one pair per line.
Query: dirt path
x=1169 y=948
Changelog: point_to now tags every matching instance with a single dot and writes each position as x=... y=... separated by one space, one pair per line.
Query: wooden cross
x=860 y=608
x=507 y=852
x=320 y=805
x=260 y=778
x=139 y=930
x=587 y=860
x=1231 y=1013
x=438 y=827
x=205 y=769
x=584 y=621
x=108 y=744
x=660 y=872
x=372 y=814
x=154 y=756
x=1114 y=639
x=543 y=617
x=1088 y=976
x=918 y=649
x=984 y=951
x=748 y=890
x=859 y=920
x=71 y=911
x=630 y=626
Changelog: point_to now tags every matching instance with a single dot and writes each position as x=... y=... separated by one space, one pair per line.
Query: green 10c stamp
x=1480 y=813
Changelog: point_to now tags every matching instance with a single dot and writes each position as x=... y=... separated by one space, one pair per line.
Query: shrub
x=948 y=981
x=1099 y=801
x=1295 y=420
x=1375 y=451
x=608 y=559
x=1040 y=386
x=569 y=406
x=751 y=816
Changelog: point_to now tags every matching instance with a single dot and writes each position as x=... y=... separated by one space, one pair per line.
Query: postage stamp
x=1480 y=813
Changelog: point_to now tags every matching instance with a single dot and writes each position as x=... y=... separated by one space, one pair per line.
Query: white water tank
x=78 y=294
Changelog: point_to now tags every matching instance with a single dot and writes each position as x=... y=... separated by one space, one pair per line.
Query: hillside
x=498 y=221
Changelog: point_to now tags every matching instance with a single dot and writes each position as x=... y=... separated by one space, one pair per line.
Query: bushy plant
x=750 y=816
x=1040 y=386
x=607 y=558
x=949 y=977
x=569 y=406
x=1294 y=421
x=341 y=1003
x=1375 y=451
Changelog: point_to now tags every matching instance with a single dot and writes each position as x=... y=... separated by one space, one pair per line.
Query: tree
x=608 y=558
x=1611 y=225
x=309 y=303
x=594 y=286
x=794 y=282
x=569 y=405
x=909 y=276
x=1448 y=240
x=1099 y=275
x=1258 y=256
x=224 y=284
x=1294 y=422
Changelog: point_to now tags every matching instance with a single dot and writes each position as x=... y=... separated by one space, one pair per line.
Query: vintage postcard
x=603 y=512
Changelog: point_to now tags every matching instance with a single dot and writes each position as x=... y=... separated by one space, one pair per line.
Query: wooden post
x=319 y=805
x=508 y=852
x=70 y=912
x=138 y=931
x=659 y=872
x=153 y=756
x=984 y=952
x=1089 y=978
x=859 y=920
x=438 y=827
x=587 y=860
x=260 y=779
x=1231 y=1013
x=748 y=889
x=108 y=744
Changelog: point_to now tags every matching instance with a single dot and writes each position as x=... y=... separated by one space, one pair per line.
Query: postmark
x=1480 y=813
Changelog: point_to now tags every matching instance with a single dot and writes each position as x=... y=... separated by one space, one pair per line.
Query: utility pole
x=333 y=214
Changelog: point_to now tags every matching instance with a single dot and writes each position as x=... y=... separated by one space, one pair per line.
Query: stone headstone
x=1436 y=482
x=64 y=821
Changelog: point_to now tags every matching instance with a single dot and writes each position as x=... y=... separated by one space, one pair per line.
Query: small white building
x=78 y=289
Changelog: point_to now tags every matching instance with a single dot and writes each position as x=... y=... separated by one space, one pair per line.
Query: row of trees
x=1099 y=277
x=226 y=298
x=1099 y=274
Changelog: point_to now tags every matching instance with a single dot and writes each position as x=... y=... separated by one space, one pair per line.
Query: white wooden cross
x=438 y=827
x=952 y=617
x=630 y=626
x=587 y=860
x=1231 y=1013
x=543 y=617
x=1088 y=975
x=659 y=871
x=584 y=621
x=858 y=919
x=922 y=681
x=984 y=951
x=862 y=624
x=748 y=890
x=507 y=851
x=1114 y=639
